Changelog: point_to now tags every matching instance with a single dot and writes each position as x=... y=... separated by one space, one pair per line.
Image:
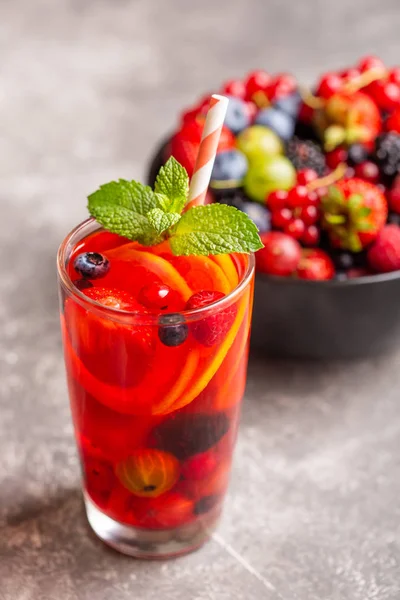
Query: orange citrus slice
x=224 y=261
x=197 y=386
x=156 y=264
x=179 y=386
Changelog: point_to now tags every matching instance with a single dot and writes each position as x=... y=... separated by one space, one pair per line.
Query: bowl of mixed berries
x=318 y=171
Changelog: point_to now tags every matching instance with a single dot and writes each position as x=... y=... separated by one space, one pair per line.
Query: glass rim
x=126 y=316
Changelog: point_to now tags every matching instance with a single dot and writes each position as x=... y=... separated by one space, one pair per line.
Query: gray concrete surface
x=86 y=89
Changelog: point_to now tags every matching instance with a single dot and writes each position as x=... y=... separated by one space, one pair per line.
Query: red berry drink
x=156 y=355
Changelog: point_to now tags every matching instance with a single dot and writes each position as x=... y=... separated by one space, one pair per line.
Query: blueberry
x=257 y=213
x=289 y=104
x=172 y=331
x=278 y=121
x=357 y=154
x=231 y=166
x=82 y=284
x=91 y=265
x=237 y=115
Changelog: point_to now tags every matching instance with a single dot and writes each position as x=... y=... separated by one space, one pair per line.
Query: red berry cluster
x=295 y=212
x=385 y=91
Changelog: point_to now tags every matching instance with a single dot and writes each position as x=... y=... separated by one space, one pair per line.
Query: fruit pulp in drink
x=156 y=390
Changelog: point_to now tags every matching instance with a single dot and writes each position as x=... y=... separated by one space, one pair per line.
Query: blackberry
x=185 y=435
x=387 y=154
x=306 y=154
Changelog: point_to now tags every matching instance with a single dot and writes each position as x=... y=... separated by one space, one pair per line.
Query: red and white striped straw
x=207 y=150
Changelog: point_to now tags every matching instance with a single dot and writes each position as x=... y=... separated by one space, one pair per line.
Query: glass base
x=147 y=543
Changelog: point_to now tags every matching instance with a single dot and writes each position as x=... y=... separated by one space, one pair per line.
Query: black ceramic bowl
x=321 y=319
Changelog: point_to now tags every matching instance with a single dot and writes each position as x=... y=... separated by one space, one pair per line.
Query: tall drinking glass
x=155 y=423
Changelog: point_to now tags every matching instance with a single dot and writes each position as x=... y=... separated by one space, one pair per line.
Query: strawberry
x=353 y=212
x=185 y=143
x=384 y=254
x=349 y=118
x=316 y=265
x=280 y=256
x=115 y=353
x=212 y=329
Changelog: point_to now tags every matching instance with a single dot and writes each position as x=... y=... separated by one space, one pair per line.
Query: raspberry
x=211 y=329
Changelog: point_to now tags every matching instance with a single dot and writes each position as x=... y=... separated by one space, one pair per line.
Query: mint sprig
x=214 y=229
x=135 y=211
x=172 y=183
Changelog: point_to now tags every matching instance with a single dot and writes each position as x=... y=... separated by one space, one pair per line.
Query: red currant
x=311 y=236
x=298 y=196
x=367 y=170
x=329 y=84
x=335 y=157
x=314 y=198
x=309 y=214
x=277 y=199
x=305 y=176
x=234 y=87
x=295 y=228
x=281 y=217
x=370 y=62
x=256 y=81
x=386 y=94
x=394 y=75
x=155 y=296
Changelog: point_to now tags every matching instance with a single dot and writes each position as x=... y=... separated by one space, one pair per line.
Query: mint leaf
x=214 y=229
x=129 y=194
x=125 y=222
x=173 y=183
x=162 y=221
x=121 y=207
x=163 y=202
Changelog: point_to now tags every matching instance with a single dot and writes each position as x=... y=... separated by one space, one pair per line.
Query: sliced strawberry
x=212 y=329
x=115 y=353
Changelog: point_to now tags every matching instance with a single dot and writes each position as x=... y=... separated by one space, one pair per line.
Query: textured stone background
x=86 y=89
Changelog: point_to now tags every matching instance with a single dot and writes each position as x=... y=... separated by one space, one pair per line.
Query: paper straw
x=207 y=150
